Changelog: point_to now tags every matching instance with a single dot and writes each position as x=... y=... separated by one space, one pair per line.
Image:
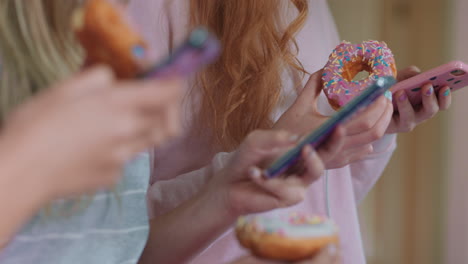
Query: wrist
x=221 y=199
x=383 y=144
x=20 y=199
x=19 y=179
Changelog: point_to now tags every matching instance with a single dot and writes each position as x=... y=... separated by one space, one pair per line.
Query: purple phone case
x=200 y=49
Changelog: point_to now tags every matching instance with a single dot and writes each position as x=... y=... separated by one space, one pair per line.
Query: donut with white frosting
x=288 y=238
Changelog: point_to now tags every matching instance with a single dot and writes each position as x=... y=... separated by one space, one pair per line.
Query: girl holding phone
x=74 y=217
x=259 y=82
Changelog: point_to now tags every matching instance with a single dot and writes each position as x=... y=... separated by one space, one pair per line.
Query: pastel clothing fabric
x=110 y=228
x=182 y=167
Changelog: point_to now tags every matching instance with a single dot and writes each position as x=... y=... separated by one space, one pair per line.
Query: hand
x=241 y=185
x=75 y=137
x=326 y=256
x=409 y=116
x=359 y=133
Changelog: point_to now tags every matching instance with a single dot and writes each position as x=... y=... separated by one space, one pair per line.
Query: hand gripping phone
x=320 y=135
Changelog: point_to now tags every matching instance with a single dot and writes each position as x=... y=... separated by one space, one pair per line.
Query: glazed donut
x=107 y=38
x=346 y=61
x=286 y=238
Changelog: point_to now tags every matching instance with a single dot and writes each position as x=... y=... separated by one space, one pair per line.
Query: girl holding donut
x=260 y=81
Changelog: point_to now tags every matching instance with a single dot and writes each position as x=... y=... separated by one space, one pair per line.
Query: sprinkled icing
x=295 y=225
x=138 y=51
x=372 y=56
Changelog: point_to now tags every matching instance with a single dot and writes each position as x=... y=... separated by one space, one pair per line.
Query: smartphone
x=453 y=74
x=199 y=49
x=319 y=136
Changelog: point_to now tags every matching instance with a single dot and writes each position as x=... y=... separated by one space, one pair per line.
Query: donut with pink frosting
x=346 y=61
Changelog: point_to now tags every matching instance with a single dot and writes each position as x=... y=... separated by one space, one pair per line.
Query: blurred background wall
x=456 y=236
x=418 y=211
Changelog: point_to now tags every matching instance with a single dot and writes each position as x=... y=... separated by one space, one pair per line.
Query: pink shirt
x=183 y=166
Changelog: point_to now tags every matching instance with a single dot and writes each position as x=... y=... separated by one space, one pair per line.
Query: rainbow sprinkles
x=346 y=61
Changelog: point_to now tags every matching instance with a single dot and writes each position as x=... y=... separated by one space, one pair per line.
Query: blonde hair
x=37 y=48
x=241 y=90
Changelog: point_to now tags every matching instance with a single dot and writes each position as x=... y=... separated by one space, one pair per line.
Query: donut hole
x=356 y=71
x=361 y=76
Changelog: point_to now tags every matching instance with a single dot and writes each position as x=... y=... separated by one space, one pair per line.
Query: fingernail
x=447 y=92
x=138 y=51
x=309 y=151
x=402 y=97
x=430 y=91
x=293 y=138
x=255 y=172
x=332 y=250
x=389 y=95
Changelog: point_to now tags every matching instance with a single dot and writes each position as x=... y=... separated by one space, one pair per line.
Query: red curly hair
x=243 y=87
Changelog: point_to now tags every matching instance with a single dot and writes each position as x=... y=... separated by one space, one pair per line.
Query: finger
x=406 y=114
x=288 y=191
x=445 y=98
x=266 y=141
x=173 y=120
x=158 y=128
x=94 y=79
x=429 y=103
x=408 y=73
x=333 y=145
x=314 y=166
x=360 y=153
x=373 y=134
x=165 y=124
x=385 y=121
x=367 y=118
x=149 y=95
x=137 y=133
x=262 y=146
x=312 y=89
x=349 y=156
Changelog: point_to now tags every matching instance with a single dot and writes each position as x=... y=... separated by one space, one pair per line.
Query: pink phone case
x=453 y=74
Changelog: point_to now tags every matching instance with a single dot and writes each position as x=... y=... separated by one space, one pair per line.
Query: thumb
x=89 y=81
x=408 y=73
x=312 y=89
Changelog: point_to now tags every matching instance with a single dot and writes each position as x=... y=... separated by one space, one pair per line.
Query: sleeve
x=365 y=173
x=165 y=195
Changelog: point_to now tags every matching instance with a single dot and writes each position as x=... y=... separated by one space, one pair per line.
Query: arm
x=19 y=204
x=166 y=195
x=234 y=190
x=182 y=233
